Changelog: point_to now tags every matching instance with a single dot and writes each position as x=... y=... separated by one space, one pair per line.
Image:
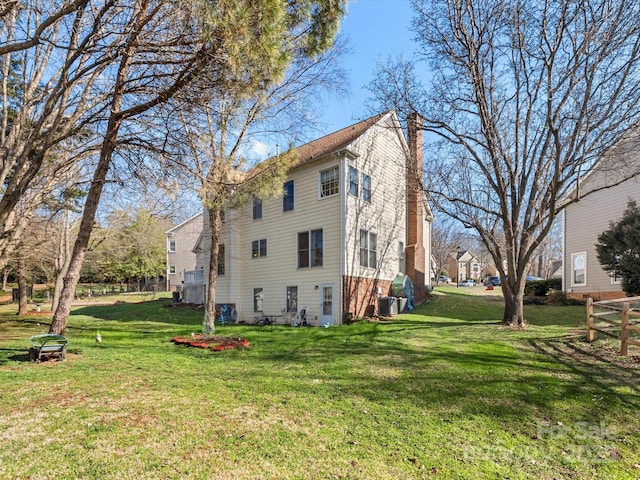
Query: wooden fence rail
x=622 y=314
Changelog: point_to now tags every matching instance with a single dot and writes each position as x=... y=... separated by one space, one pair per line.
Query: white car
x=467 y=283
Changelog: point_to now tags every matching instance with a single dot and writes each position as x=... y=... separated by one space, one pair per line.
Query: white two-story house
x=348 y=222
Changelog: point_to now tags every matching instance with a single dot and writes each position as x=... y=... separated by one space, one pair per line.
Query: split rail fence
x=621 y=319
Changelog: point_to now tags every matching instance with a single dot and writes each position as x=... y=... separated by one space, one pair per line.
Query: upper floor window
x=329 y=182
x=257 y=208
x=579 y=268
x=221 y=266
x=366 y=188
x=310 y=249
x=368 y=249
x=259 y=248
x=172 y=246
x=287 y=199
x=353 y=181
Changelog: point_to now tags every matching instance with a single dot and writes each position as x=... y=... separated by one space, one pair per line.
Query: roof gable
x=180 y=225
x=334 y=142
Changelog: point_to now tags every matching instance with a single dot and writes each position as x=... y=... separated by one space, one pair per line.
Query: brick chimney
x=415 y=252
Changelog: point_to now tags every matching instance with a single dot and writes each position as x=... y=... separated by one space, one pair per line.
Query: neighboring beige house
x=181 y=240
x=587 y=218
x=464 y=265
x=347 y=224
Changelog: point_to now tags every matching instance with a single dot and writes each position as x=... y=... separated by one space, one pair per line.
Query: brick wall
x=360 y=296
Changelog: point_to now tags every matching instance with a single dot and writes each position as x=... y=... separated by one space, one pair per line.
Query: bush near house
x=541 y=288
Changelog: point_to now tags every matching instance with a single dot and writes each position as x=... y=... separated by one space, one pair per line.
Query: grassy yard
x=443 y=392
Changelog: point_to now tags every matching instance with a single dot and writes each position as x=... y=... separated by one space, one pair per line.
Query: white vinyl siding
x=385 y=214
x=279 y=268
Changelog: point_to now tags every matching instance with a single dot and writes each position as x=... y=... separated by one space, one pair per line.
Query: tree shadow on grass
x=14 y=355
x=159 y=311
x=602 y=368
x=497 y=379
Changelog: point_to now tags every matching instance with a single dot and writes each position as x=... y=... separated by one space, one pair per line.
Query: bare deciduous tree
x=167 y=46
x=524 y=97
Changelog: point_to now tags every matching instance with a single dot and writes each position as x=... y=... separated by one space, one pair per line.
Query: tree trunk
x=61 y=262
x=72 y=277
x=5 y=278
x=109 y=144
x=22 y=286
x=209 y=324
x=513 y=305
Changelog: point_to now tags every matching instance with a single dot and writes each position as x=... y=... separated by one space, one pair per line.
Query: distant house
x=464 y=265
x=181 y=241
x=348 y=223
x=587 y=218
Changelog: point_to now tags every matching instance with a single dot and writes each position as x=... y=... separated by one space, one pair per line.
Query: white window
x=310 y=249
x=172 y=269
x=258 y=300
x=172 y=246
x=353 y=181
x=221 y=265
x=578 y=269
x=257 y=208
x=366 y=188
x=259 y=248
x=329 y=182
x=368 y=249
x=292 y=299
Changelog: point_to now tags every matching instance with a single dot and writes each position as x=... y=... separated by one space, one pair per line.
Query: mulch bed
x=211 y=342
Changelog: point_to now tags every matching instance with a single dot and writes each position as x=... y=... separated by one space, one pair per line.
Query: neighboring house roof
x=619 y=163
x=464 y=256
x=197 y=247
x=173 y=229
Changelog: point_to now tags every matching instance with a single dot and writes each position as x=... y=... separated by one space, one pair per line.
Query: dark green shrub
x=555 y=283
x=537 y=288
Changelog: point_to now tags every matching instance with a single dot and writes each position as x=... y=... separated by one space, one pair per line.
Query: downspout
x=343 y=235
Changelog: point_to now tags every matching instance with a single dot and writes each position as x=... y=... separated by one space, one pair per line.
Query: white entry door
x=326 y=307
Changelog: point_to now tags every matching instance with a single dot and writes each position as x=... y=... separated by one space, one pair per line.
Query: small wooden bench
x=47 y=345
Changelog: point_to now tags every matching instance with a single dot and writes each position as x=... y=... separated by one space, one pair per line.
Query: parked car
x=495 y=281
x=467 y=283
x=443 y=279
x=531 y=278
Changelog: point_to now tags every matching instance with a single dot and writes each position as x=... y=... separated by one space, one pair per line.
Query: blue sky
x=375 y=29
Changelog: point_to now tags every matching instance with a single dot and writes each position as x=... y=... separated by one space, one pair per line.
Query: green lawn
x=443 y=392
